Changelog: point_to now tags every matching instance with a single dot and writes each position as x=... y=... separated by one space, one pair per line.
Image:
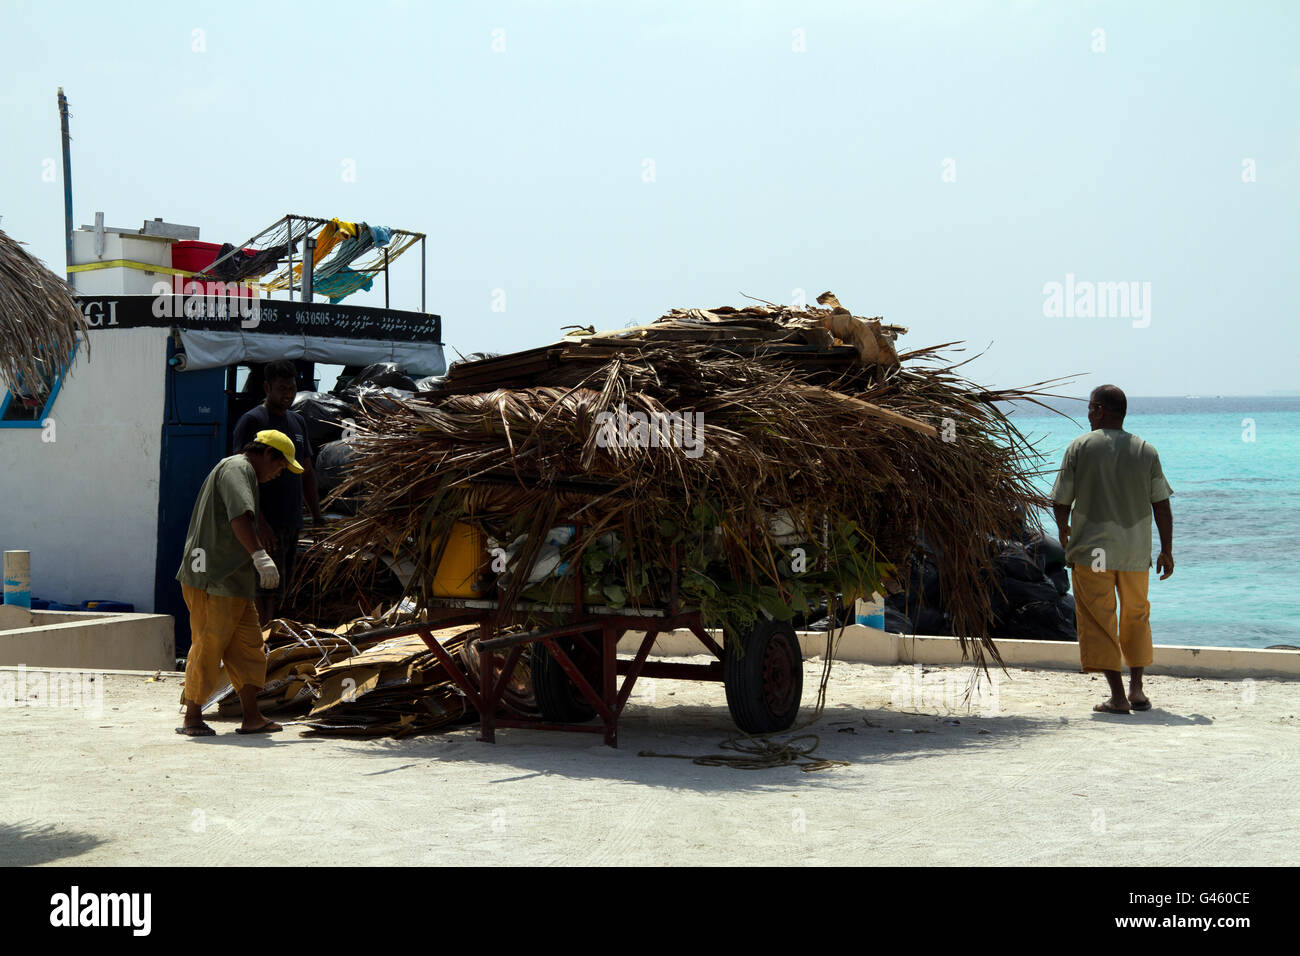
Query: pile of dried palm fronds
x=823 y=458
x=39 y=320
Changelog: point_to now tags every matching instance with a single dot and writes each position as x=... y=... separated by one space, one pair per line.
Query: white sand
x=1208 y=777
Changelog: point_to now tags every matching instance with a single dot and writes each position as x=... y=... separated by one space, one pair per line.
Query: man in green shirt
x=224 y=561
x=1114 y=482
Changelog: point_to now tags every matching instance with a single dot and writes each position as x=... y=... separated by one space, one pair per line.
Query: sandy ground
x=1208 y=777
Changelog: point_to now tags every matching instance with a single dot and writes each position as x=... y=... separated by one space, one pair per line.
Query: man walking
x=1114 y=482
x=282 y=497
x=222 y=554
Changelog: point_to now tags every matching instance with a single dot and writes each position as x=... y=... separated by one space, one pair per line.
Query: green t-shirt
x=214 y=560
x=1112 y=478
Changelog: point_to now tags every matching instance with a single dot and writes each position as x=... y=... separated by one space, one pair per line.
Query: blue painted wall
x=194 y=437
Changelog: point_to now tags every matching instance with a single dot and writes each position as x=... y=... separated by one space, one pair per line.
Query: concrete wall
x=142 y=642
x=870 y=646
x=86 y=504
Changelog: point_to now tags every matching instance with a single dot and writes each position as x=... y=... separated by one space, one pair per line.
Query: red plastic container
x=192 y=255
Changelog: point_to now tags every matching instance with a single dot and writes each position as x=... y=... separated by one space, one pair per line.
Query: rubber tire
x=558 y=698
x=769 y=644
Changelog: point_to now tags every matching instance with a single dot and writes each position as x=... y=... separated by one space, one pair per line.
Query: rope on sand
x=761 y=752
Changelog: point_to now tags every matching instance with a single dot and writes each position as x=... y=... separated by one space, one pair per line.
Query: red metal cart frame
x=608 y=699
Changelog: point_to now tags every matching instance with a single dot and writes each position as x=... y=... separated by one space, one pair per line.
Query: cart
x=575 y=663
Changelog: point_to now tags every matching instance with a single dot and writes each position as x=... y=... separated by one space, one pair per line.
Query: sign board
x=242 y=313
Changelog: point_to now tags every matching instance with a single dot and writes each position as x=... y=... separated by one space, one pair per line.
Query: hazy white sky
x=939 y=164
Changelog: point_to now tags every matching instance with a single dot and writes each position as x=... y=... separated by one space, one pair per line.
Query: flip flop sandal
x=204 y=731
x=1105 y=707
x=270 y=727
x=1145 y=705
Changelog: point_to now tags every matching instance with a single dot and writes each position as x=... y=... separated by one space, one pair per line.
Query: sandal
x=269 y=727
x=1106 y=707
x=202 y=730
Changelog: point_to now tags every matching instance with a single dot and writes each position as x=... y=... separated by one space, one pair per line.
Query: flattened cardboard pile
x=346 y=687
x=395 y=688
x=294 y=653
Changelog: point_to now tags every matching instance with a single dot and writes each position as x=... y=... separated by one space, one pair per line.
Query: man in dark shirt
x=281 y=497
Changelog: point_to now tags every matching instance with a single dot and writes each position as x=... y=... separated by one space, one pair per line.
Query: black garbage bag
x=384 y=375
x=896 y=602
x=897 y=622
x=331 y=470
x=1016 y=561
x=1020 y=593
x=430 y=383
x=931 y=620
x=1048 y=553
x=920 y=587
x=817 y=617
x=324 y=414
x=375 y=399
x=1041 y=621
x=1016 y=594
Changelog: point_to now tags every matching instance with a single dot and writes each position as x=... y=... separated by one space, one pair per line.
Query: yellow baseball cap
x=281 y=443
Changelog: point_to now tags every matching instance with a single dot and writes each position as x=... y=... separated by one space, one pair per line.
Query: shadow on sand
x=857 y=735
x=24 y=844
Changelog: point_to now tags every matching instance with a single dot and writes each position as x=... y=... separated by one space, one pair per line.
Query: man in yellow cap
x=223 y=563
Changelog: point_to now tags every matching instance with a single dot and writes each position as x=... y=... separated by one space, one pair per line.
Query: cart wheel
x=764 y=684
x=558 y=698
x=518 y=694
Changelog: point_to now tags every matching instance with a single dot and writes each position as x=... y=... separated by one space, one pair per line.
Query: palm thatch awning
x=39 y=317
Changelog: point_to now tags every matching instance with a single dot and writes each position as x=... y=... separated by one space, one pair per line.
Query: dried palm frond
x=39 y=319
x=865 y=462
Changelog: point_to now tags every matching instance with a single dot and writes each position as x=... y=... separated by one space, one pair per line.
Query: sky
x=938 y=164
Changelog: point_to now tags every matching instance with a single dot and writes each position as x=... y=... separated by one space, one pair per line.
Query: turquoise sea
x=1236 y=508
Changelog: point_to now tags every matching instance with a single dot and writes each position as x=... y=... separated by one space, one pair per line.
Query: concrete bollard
x=18 y=578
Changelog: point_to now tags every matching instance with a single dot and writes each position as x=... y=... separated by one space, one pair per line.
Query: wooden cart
x=575 y=664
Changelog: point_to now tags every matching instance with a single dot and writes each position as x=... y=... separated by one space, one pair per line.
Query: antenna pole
x=67 y=181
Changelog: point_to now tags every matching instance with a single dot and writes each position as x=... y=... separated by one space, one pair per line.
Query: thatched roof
x=39 y=316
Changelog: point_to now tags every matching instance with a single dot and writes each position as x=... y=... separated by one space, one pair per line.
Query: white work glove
x=266 y=571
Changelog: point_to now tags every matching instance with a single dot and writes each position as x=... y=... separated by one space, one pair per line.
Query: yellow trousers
x=223 y=630
x=1101 y=646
